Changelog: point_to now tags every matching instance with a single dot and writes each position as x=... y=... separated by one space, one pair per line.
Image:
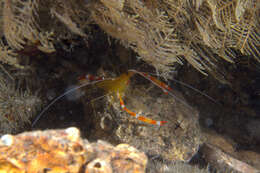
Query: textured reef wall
x=161 y=32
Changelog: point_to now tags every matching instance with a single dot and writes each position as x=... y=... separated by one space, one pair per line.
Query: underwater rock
x=221 y=151
x=177 y=140
x=65 y=151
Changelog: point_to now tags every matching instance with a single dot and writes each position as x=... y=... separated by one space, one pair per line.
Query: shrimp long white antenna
x=59 y=97
x=195 y=89
x=167 y=89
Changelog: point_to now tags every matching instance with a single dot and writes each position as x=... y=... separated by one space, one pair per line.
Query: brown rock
x=64 y=151
x=178 y=140
x=220 y=151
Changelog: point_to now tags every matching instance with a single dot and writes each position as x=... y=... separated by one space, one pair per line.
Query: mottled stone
x=177 y=140
x=60 y=151
x=219 y=151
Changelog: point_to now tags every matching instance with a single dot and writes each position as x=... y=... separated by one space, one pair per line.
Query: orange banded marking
x=164 y=86
x=138 y=116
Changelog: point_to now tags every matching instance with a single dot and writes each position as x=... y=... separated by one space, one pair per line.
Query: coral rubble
x=64 y=151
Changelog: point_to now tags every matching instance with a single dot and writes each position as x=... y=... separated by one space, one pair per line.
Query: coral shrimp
x=118 y=87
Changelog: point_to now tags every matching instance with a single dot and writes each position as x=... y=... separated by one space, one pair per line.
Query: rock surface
x=65 y=151
x=178 y=140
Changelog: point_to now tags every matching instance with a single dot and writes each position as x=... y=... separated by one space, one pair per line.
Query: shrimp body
x=118 y=87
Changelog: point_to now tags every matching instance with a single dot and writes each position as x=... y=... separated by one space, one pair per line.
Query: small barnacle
x=99 y=165
x=73 y=133
x=7 y=140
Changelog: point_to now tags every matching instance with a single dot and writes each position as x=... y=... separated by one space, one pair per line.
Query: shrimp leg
x=165 y=88
x=138 y=116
